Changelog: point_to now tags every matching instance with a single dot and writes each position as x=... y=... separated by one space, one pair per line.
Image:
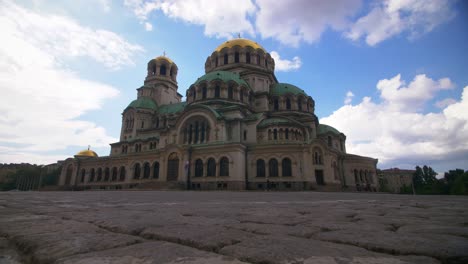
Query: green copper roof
x=284 y=88
x=322 y=129
x=224 y=76
x=144 y=102
x=172 y=108
x=274 y=121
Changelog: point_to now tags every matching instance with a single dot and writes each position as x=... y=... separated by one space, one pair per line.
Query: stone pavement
x=231 y=227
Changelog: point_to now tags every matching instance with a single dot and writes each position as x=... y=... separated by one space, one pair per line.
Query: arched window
x=211 y=167
x=194 y=94
x=299 y=104
x=276 y=104
x=317 y=156
x=266 y=63
x=162 y=70
x=273 y=168
x=204 y=92
x=217 y=91
x=198 y=168
x=122 y=173
x=224 y=167
x=99 y=174
x=260 y=168
x=136 y=171
x=106 y=174
x=247 y=57
x=216 y=62
x=286 y=134
x=288 y=104
x=241 y=96
x=91 y=177
x=146 y=170
x=275 y=134
x=114 y=174
x=156 y=170
x=258 y=59
x=83 y=174
x=225 y=59
x=329 y=141
x=286 y=167
x=230 y=92
x=236 y=57
x=361 y=176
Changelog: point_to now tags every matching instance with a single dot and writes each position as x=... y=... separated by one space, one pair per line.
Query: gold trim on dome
x=86 y=153
x=164 y=58
x=239 y=42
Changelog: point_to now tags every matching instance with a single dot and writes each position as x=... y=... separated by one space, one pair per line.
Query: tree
x=460 y=184
x=425 y=181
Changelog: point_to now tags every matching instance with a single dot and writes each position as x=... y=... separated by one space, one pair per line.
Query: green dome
x=322 y=129
x=143 y=102
x=284 y=88
x=224 y=76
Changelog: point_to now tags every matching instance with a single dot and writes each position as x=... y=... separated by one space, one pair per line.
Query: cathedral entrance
x=319 y=177
x=172 y=167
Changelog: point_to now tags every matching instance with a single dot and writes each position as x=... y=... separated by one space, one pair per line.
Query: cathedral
x=239 y=128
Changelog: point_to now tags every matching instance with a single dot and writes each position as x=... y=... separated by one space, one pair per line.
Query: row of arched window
x=248 y=57
x=104 y=175
x=317 y=159
x=284 y=134
x=210 y=167
x=162 y=70
x=147 y=171
x=197 y=131
x=218 y=90
x=273 y=171
x=301 y=104
x=129 y=123
x=363 y=177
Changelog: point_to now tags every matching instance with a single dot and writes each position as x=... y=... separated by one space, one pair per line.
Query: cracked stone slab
x=150 y=253
x=282 y=250
x=50 y=238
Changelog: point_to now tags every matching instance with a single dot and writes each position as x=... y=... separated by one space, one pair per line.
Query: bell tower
x=161 y=81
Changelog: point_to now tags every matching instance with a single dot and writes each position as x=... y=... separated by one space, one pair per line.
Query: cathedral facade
x=239 y=129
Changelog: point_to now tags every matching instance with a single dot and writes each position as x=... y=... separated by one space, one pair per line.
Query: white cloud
x=392 y=17
x=401 y=135
x=349 y=97
x=148 y=26
x=415 y=95
x=286 y=65
x=445 y=102
x=292 y=22
x=41 y=99
x=220 y=18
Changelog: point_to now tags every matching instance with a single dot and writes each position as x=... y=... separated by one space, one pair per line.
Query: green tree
x=460 y=185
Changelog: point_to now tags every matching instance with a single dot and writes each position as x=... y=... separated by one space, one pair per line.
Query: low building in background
x=239 y=128
x=396 y=180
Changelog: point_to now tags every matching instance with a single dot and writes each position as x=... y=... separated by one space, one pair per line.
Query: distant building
x=395 y=179
x=239 y=128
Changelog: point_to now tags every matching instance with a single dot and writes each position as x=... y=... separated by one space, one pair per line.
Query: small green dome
x=224 y=76
x=143 y=102
x=322 y=129
x=284 y=88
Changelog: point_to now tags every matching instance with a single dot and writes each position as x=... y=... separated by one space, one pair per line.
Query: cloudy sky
x=392 y=75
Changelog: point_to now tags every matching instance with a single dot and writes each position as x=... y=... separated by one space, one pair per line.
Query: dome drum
x=239 y=52
x=162 y=67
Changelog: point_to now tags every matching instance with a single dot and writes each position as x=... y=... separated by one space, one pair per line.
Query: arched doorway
x=172 y=167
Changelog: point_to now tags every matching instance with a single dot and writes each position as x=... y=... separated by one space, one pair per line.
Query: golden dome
x=87 y=153
x=164 y=58
x=239 y=42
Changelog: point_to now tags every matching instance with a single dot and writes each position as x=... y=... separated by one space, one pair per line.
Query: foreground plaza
x=231 y=227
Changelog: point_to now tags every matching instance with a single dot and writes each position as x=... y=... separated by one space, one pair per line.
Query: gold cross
x=238 y=35
x=164 y=53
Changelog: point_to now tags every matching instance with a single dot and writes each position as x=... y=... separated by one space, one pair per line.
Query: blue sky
x=391 y=75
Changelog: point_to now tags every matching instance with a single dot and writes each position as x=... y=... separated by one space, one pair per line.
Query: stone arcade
x=238 y=129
